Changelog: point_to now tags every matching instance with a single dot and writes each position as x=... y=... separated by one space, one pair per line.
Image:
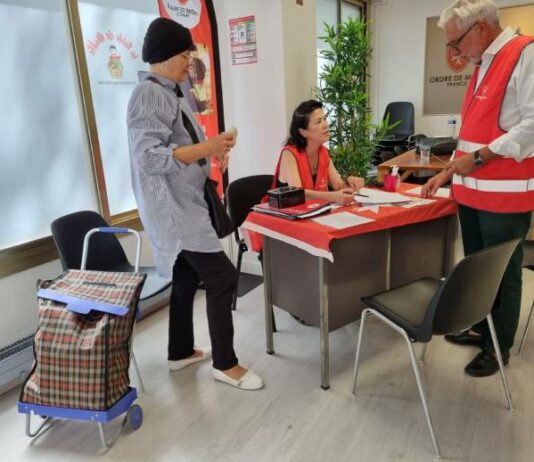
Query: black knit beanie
x=164 y=39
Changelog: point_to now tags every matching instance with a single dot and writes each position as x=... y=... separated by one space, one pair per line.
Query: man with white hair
x=493 y=167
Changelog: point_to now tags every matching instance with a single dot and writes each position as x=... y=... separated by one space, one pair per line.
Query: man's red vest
x=503 y=185
x=303 y=163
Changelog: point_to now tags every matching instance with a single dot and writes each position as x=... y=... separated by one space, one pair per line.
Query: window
x=332 y=12
x=63 y=120
x=46 y=168
x=113 y=32
x=351 y=8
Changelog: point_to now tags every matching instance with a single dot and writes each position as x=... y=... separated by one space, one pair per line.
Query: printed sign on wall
x=243 y=40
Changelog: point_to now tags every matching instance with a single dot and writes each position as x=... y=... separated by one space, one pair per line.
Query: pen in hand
x=361 y=195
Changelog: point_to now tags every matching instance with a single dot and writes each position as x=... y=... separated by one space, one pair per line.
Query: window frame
x=363 y=4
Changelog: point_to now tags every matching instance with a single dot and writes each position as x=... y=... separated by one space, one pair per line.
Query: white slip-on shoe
x=249 y=381
x=181 y=363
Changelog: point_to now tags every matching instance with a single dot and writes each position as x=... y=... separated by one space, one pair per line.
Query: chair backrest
x=402 y=111
x=467 y=294
x=528 y=254
x=105 y=250
x=243 y=193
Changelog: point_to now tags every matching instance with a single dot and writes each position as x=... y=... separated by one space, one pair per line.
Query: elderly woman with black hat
x=169 y=159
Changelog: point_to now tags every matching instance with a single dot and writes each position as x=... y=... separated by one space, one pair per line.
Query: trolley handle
x=113 y=230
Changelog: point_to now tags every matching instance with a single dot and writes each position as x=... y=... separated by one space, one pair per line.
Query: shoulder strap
x=185 y=120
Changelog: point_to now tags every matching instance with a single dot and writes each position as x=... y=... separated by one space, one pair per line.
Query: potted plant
x=344 y=91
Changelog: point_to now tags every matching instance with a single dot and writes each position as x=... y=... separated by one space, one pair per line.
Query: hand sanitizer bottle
x=391 y=181
x=451 y=126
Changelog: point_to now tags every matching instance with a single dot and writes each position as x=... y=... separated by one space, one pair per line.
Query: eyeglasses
x=455 y=44
x=187 y=55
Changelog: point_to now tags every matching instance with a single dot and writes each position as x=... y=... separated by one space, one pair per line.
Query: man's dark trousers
x=481 y=229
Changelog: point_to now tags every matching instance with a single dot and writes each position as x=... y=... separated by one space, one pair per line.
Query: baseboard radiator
x=15 y=363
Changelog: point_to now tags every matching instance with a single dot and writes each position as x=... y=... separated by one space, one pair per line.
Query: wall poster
x=243 y=40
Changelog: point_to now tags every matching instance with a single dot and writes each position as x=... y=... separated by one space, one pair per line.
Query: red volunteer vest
x=321 y=181
x=503 y=185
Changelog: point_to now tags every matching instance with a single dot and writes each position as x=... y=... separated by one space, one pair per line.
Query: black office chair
x=241 y=195
x=401 y=113
x=428 y=307
x=528 y=263
x=105 y=254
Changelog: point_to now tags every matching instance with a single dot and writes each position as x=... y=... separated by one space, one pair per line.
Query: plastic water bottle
x=451 y=126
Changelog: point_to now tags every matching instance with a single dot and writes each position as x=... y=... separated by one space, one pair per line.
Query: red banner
x=200 y=89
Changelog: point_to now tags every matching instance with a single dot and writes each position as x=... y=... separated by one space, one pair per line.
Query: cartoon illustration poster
x=200 y=89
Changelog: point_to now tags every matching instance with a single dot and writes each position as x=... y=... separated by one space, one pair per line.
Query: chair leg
x=137 y=373
x=499 y=360
x=422 y=394
x=423 y=353
x=238 y=268
x=358 y=349
x=414 y=365
x=527 y=327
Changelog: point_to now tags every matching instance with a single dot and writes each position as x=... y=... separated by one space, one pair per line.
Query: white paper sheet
x=366 y=196
x=417 y=202
x=441 y=192
x=342 y=220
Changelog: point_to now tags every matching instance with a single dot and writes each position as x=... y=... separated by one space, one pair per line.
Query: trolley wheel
x=134 y=417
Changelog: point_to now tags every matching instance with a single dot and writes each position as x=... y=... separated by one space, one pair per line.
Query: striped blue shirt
x=169 y=193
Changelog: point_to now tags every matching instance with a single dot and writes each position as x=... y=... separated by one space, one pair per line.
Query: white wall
x=397 y=71
x=300 y=55
x=259 y=98
x=253 y=95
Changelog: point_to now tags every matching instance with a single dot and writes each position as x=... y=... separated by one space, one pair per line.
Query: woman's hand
x=343 y=196
x=220 y=146
x=355 y=182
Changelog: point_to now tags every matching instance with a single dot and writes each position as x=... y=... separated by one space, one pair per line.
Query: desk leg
x=450 y=239
x=323 y=311
x=267 y=294
x=388 y=259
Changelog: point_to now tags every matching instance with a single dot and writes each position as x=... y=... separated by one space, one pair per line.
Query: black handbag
x=220 y=220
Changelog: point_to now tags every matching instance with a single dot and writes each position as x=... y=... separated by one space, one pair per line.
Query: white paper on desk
x=366 y=196
x=416 y=202
x=441 y=192
x=342 y=220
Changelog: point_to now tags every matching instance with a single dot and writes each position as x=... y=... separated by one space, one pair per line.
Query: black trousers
x=482 y=229
x=220 y=278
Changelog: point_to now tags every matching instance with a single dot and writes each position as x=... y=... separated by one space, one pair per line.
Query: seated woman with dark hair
x=305 y=162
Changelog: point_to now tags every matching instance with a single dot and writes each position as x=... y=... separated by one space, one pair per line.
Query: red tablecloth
x=315 y=238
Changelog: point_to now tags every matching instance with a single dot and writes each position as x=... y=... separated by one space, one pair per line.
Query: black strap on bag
x=220 y=220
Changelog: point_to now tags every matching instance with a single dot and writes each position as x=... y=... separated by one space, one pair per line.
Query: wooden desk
x=409 y=162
